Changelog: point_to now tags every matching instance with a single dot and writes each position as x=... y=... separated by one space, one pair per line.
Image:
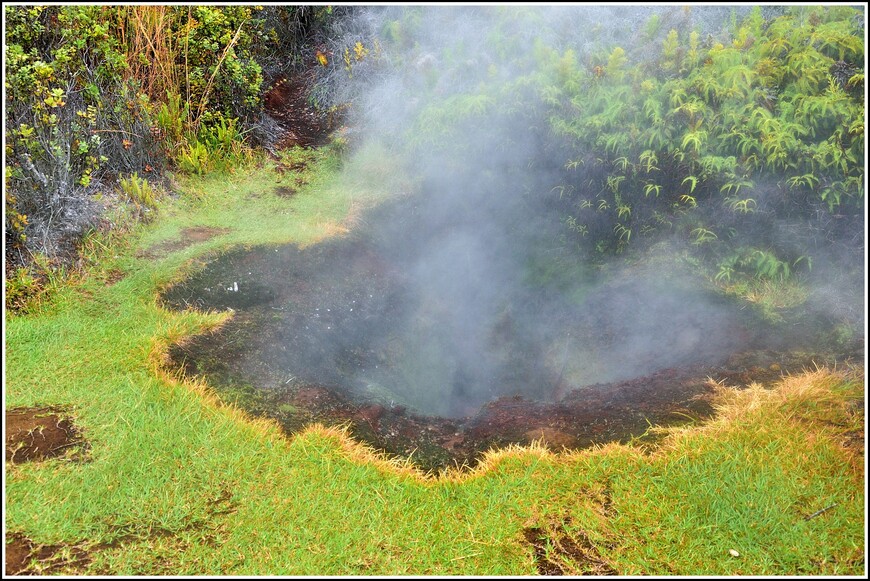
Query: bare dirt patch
x=187 y=237
x=34 y=434
x=18 y=550
x=21 y=553
x=300 y=122
x=114 y=276
x=297 y=166
x=558 y=551
x=285 y=191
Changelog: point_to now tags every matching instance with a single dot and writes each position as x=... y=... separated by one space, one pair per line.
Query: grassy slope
x=192 y=487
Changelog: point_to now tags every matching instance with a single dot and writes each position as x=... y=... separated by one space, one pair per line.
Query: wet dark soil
x=285 y=191
x=34 y=434
x=300 y=122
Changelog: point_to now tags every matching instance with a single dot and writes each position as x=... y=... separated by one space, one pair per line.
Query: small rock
x=551 y=438
x=371 y=414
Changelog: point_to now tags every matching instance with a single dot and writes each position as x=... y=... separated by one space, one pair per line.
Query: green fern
x=697 y=140
x=650 y=188
x=649 y=161
x=703 y=236
x=734 y=186
x=623 y=232
x=741 y=205
x=693 y=181
x=807 y=180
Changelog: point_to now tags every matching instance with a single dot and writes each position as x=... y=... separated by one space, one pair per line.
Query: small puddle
x=429 y=352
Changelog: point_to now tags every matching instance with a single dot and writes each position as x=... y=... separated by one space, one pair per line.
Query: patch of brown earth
x=114 y=276
x=592 y=415
x=21 y=553
x=291 y=167
x=187 y=237
x=301 y=123
x=551 y=438
x=18 y=549
x=558 y=551
x=24 y=557
x=34 y=434
x=202 y=233
x=595 y=414
x=285 y=191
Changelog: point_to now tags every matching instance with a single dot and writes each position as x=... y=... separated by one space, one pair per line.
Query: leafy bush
x=72 y=116
x=141 y=193
x=97 y=91
x=221 y=77
x=712 y=139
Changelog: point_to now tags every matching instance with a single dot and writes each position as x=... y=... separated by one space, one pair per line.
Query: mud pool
x=445 y=363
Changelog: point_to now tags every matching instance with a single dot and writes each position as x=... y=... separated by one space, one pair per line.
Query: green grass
x=770 y=297
x=188 y=486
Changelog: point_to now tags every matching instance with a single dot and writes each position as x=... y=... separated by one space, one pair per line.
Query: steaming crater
x=467 y=315
x=438 y=342
x=436 y=329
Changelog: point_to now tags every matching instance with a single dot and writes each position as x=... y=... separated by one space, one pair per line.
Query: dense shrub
x=746 y=143
x=96 y=94
x=717 y=138
x=72 y=115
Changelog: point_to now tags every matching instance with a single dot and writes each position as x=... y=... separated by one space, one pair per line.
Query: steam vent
x=438 y=341
x=568 y=244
